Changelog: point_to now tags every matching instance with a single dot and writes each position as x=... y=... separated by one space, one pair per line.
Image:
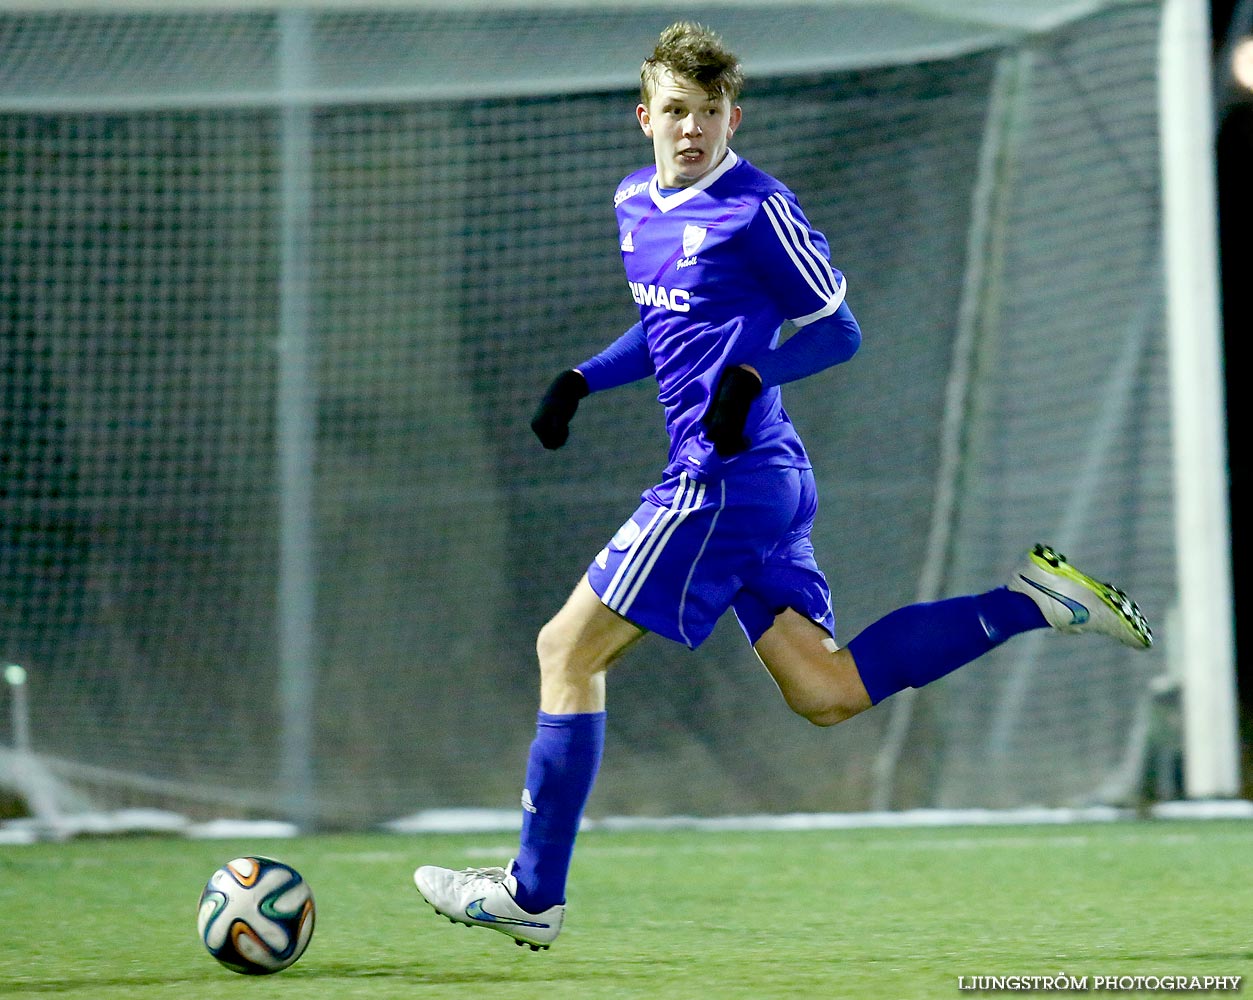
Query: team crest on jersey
x=693 y=237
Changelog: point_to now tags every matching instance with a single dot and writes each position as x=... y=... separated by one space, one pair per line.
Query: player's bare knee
x=825 y=711
x=552 y=649
x=560 y=657
x=830 y=715
x=818 y=714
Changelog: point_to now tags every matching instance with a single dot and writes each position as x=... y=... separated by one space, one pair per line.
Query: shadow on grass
x=411 y=973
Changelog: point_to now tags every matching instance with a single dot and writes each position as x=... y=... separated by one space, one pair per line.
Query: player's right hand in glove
x=728 y=410
x=551 y=422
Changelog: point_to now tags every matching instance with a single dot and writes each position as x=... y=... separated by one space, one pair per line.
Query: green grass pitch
x=897 y=913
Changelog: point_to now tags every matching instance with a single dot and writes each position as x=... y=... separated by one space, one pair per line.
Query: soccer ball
x=256 y=915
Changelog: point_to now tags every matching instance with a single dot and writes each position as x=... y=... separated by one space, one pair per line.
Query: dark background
x=1234 y=141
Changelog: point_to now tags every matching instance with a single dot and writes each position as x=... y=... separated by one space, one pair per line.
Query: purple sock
x=920 y=643
x=560 y=772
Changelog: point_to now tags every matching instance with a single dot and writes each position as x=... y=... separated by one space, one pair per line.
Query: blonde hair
x=694 y=52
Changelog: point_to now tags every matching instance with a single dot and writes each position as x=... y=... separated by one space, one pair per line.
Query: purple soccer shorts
x=695 y=548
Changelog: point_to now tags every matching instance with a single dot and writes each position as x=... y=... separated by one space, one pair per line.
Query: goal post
x=280 y=283
x=1205 y=648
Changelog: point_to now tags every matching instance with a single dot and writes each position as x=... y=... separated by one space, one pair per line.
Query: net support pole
x=1202 y=528
x=295 y=418
x=31 y=778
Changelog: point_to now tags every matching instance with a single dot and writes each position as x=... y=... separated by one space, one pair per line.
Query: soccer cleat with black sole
x=1073 y=602
x=485 y=897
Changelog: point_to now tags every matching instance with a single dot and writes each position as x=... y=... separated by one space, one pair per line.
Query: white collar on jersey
x=668 y=201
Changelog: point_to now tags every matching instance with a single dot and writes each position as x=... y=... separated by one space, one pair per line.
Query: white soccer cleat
x=1074 y=602
x=484 y=897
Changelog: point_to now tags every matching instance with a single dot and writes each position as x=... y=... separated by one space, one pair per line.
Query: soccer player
x=717 y=255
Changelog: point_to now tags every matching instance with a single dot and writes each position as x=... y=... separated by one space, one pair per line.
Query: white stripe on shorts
x=646 y=549
x=687 y=584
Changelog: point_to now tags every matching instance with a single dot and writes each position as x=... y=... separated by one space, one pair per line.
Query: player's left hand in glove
x=551 y=422
x=728 y=410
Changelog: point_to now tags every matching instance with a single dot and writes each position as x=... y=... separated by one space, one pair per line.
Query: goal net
x=282 y=286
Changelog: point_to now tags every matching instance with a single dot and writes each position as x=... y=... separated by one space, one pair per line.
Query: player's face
x=689 y=129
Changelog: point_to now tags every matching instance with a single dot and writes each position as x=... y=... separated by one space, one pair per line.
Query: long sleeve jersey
x=715 y=269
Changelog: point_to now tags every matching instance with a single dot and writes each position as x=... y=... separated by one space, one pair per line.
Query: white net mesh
x=991 y=194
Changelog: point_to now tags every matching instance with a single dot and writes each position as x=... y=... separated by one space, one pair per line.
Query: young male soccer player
x=718 y=254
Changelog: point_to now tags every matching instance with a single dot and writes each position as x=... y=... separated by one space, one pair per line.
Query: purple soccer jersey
x=716 y=268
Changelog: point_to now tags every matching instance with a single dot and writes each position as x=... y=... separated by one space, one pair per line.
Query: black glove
x=728 y=410
x=551 y=422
